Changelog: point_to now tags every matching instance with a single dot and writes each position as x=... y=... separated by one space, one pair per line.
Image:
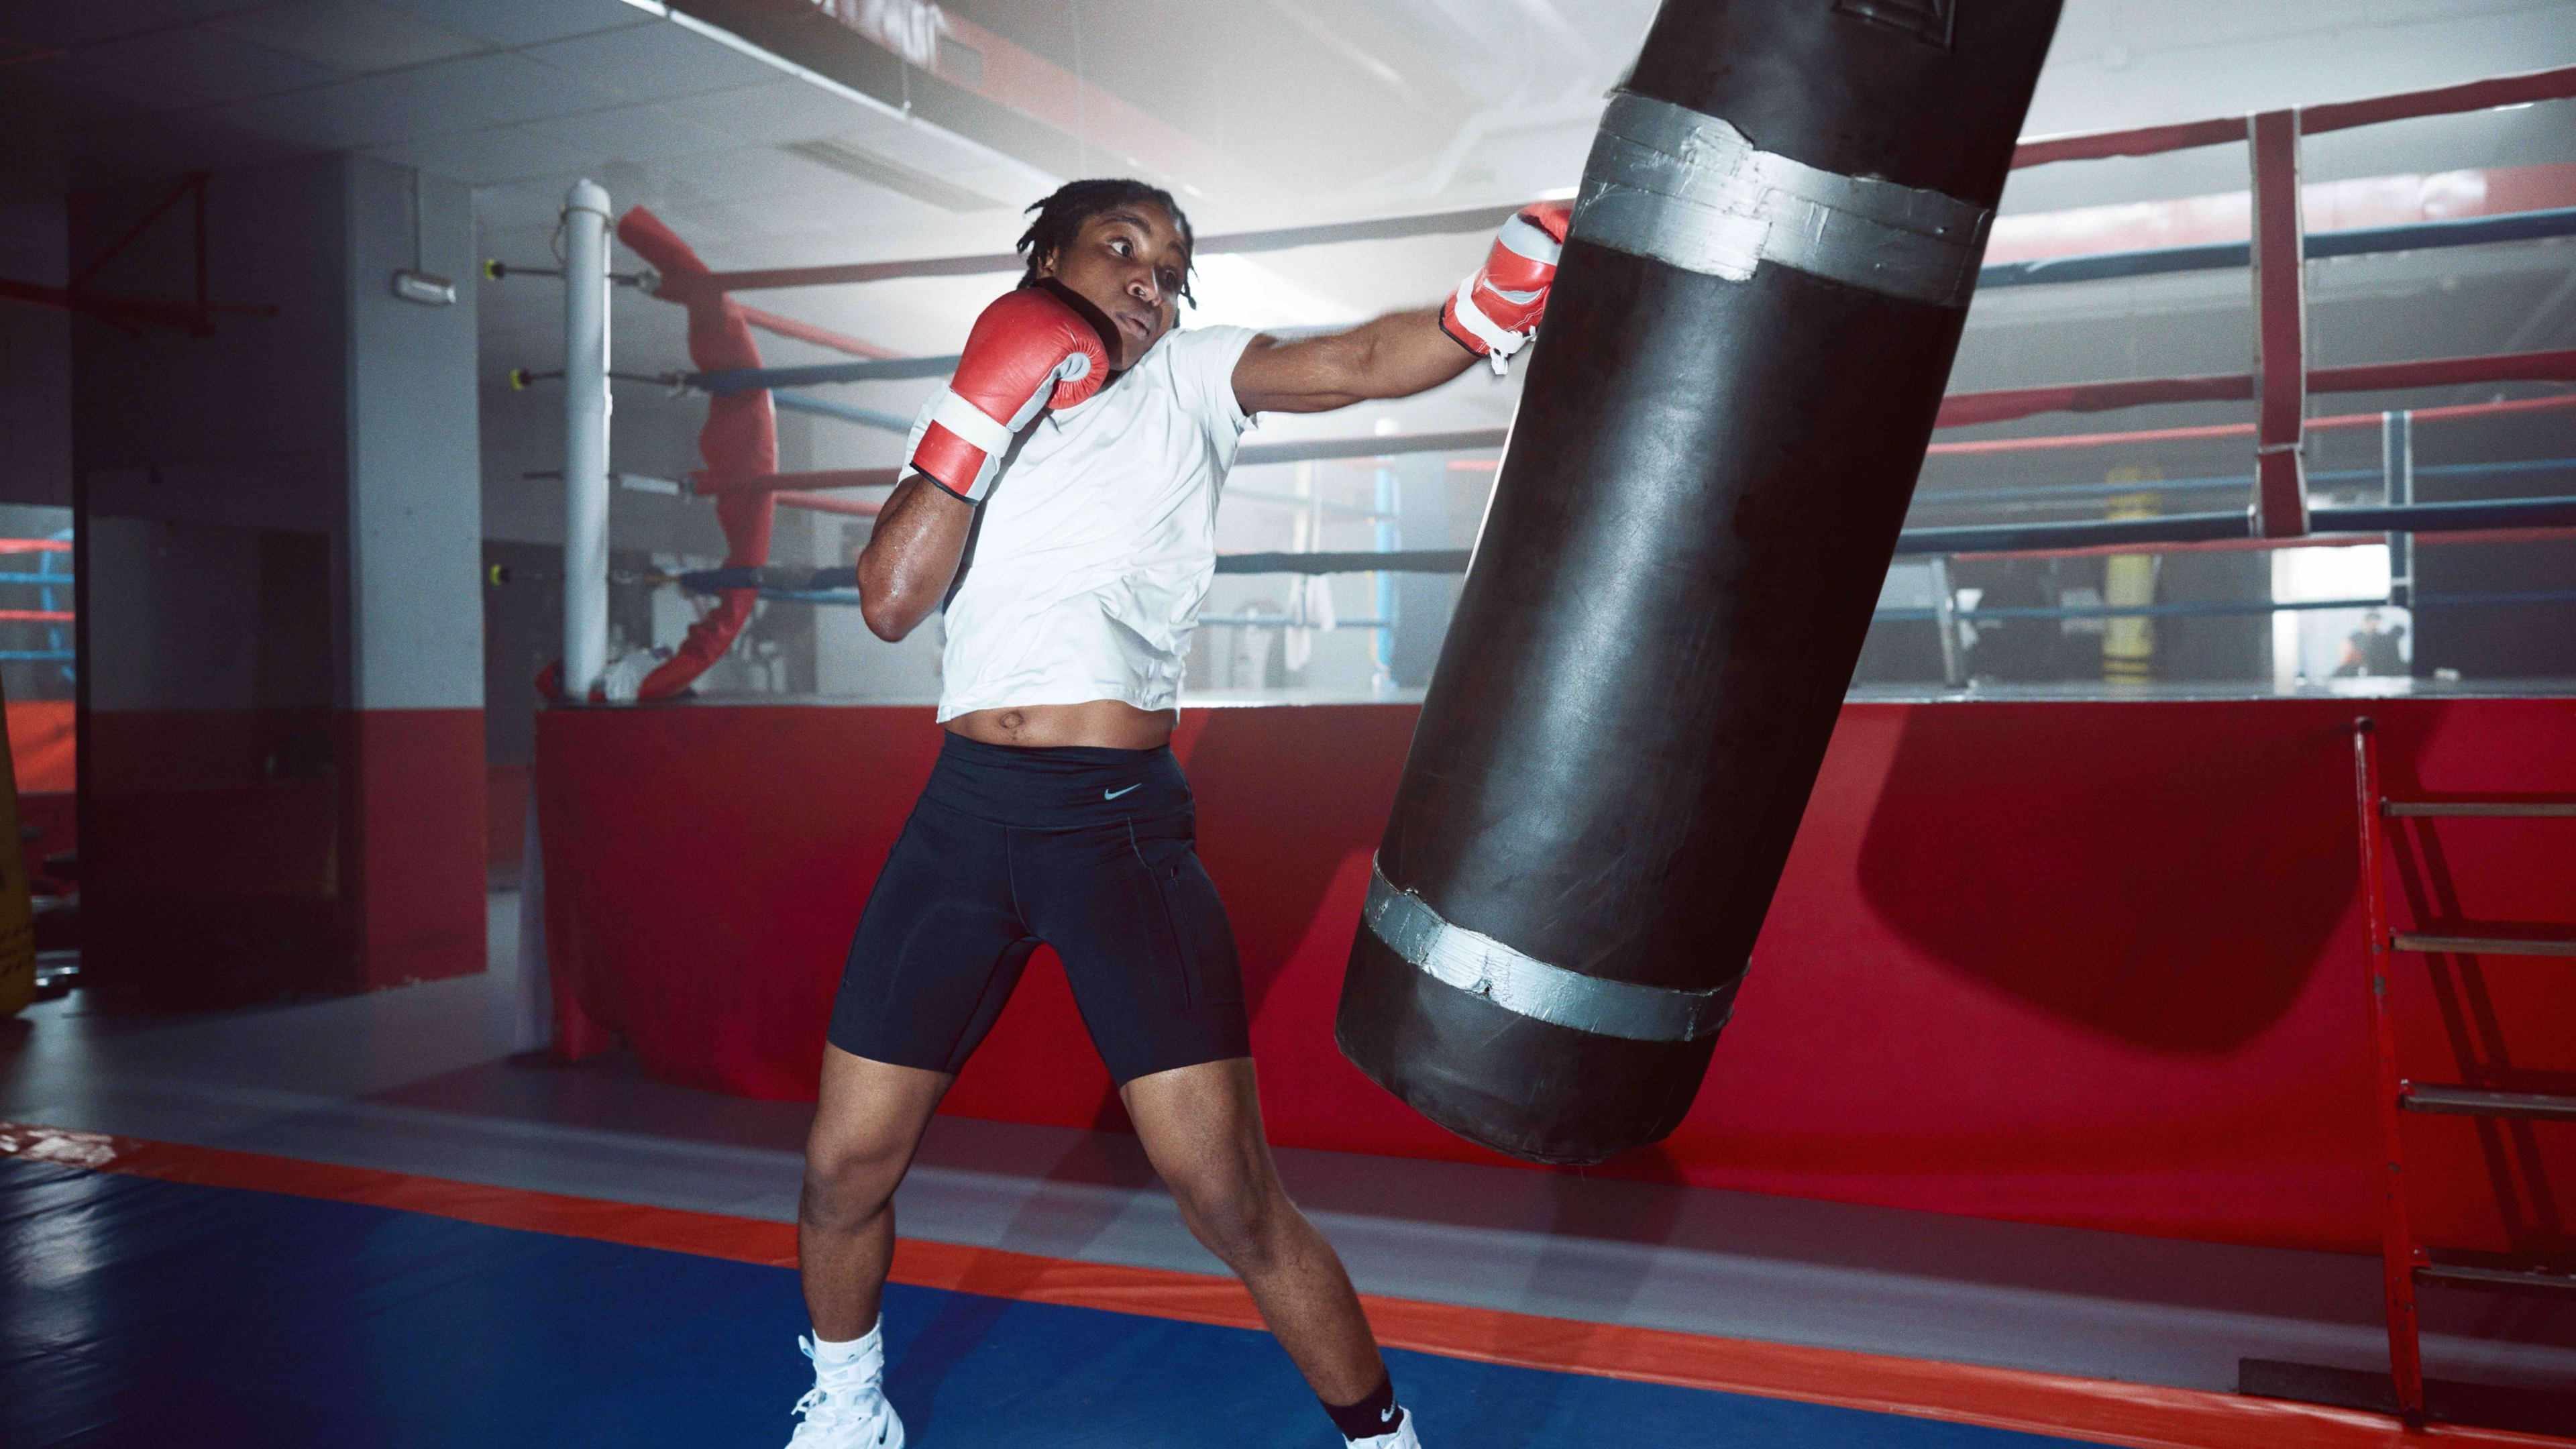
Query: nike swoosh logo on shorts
x=1114 y=794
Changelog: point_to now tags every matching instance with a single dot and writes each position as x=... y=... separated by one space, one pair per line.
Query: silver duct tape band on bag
x=1688 y=189
x=1482 y=966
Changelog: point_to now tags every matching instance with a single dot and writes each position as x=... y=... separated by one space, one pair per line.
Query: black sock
x=1370 y=1417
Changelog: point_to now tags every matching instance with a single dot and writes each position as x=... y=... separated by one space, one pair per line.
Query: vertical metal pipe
x=2280 y=327
x=2397 y=1251
x=1945 y=617
x=1387 y=536
x=586 y=411
x=1765 y=281
x=2397 y=488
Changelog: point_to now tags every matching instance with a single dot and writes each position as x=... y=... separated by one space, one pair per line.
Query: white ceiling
x=519 y=97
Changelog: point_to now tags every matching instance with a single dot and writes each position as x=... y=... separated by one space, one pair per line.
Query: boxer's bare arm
x=1397 y=355
x=1493 y=315
x=1029 y=348
x=912 y=557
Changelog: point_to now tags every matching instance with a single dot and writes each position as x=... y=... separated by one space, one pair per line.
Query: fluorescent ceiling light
x=867 y=166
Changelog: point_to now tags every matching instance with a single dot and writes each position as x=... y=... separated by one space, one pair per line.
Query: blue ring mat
x=140 y=1312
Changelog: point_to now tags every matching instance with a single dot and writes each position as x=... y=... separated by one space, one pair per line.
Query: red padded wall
x=420 y=852
x=2094 y=964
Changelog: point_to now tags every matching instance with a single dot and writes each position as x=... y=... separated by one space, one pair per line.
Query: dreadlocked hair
x=1059 y=220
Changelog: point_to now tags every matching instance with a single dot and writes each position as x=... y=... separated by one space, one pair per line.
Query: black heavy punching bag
x=1770 y=262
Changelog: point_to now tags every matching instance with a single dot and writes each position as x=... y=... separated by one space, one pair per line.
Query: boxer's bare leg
x=1201 y=1127
x=866 y=1128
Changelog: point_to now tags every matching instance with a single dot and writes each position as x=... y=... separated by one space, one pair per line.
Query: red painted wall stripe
x=1973 y=993
x=420 y=851
x=2139 y=1415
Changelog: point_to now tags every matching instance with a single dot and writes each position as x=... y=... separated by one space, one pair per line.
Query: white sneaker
x=847 y=1408
x=1400 y=1438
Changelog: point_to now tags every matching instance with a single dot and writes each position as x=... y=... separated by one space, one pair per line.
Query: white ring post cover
x=1482 y=966
x=1669 y=183
x=586 y=410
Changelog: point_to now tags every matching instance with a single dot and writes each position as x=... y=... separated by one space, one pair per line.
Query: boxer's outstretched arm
x=912 y=556
x=1395 y=356
x=1493 y=315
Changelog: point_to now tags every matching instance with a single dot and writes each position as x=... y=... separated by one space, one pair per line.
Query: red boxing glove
x=1496 y=311
x=1033 y=348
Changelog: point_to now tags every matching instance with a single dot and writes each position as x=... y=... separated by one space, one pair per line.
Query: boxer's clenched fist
x=1031 y=349
x=1495 y=312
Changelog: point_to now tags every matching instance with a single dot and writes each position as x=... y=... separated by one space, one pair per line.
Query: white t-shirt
x=1099 y=538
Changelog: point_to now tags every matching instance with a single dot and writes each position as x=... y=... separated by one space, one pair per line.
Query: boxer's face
x=1129 y=262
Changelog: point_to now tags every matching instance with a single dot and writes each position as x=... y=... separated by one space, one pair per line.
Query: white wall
x=415 y=497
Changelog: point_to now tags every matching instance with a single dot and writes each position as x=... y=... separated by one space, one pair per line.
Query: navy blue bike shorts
x=1091 y=851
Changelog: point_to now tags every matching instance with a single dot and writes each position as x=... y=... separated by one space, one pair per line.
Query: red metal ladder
x=2406 y=1262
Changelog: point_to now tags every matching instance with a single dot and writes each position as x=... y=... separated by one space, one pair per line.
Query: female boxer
x=1061 y=501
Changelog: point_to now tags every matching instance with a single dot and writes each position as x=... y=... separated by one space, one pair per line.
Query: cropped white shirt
x=1098 y=539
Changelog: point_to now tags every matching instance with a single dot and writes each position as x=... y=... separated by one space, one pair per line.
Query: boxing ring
x=2106 y=987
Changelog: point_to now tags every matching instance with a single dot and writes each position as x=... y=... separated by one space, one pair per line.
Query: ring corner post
x=586 y=421
x=2280 y=327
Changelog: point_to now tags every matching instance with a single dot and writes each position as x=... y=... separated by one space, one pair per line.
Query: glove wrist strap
x=1499 y=343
